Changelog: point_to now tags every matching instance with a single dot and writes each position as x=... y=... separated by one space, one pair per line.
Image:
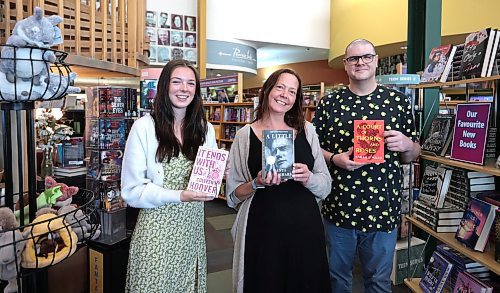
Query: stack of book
x=70 y=172
x=454 y=73
x=468 y=283
x=466 y=184
x=462 y=263
x=490 y=151
x=446 y=219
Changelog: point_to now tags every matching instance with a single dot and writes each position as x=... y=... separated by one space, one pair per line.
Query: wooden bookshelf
x=486 y=258
x=451 y=103
x=412 y=284
x=456 y=82
x=484 y=169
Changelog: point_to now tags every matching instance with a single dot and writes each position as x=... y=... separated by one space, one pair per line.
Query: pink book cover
x=369 y=141
x=208 y=171
x=467 y=283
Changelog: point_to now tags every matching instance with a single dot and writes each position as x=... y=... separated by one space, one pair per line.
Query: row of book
x=105 y=165
x=230 y=131
x=455 y=186
x=472 y=225
x=108 y=133
x=108 y=193
x=477 y=57
x=111 y=102
x=238 y=114
x=452 y=271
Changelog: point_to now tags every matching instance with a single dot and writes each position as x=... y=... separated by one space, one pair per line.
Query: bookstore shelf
x=451 y=103
x=233 y=122
x=486 y=258
x=483 y=169
x=456 y=82
x=412 y=284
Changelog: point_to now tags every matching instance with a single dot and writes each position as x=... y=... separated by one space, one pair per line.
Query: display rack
x=110 y=113
x=17 y=103
x=486 y=258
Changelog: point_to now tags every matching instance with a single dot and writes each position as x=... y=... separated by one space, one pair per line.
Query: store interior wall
x=384 y=22
x=313 y=72
x=298 y=23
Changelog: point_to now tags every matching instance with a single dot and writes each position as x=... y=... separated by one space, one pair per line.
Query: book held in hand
x=369 y=141
x=208 y=171
x=278 y=152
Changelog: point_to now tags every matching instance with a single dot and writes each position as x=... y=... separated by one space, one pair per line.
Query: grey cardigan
x=319 y=184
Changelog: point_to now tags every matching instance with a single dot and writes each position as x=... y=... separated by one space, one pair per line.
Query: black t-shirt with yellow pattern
x=369 y=198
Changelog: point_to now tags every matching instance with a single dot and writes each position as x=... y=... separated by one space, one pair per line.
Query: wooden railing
x=108 y=39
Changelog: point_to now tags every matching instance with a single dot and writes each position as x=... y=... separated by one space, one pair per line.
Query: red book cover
x=369 y=141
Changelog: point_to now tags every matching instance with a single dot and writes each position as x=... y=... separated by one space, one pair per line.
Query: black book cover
x=475 y=54
x=278 y=152
x=440 y=131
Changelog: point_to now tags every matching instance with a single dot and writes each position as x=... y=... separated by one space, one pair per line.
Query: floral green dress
x=167 y=250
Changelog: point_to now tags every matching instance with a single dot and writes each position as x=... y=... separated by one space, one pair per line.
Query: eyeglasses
x=353 y=60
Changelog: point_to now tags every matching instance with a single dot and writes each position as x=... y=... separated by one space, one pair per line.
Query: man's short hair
x=361 y=42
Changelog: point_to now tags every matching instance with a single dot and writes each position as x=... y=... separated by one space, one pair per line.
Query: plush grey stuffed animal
x=23 y=62
x=79 y=222
x=52 y=87
x=10 y=252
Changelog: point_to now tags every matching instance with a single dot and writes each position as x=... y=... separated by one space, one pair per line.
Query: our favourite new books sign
x=208 y=171
x=471 y=128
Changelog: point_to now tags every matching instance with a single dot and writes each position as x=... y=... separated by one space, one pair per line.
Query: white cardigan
x=142 y=177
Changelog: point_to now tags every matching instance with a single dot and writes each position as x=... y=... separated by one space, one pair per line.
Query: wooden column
x=202 y=39
x=132 y=6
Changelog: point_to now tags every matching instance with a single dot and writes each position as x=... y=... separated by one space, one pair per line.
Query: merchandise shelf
x=487 y=258
x=484 y=169
x=456 y=82
x=412 y=284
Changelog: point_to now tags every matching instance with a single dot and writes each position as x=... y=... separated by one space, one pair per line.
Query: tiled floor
x=219 y=219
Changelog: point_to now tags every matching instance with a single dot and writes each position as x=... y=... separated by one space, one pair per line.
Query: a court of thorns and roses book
x=369 y=141
x=208 y=171
x=278 y=153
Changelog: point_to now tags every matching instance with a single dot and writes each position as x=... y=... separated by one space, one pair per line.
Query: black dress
x=285 y=247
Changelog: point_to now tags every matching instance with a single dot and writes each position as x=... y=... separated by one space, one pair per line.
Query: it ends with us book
x=208 y=171
x=369 y=141
x=278 y=153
